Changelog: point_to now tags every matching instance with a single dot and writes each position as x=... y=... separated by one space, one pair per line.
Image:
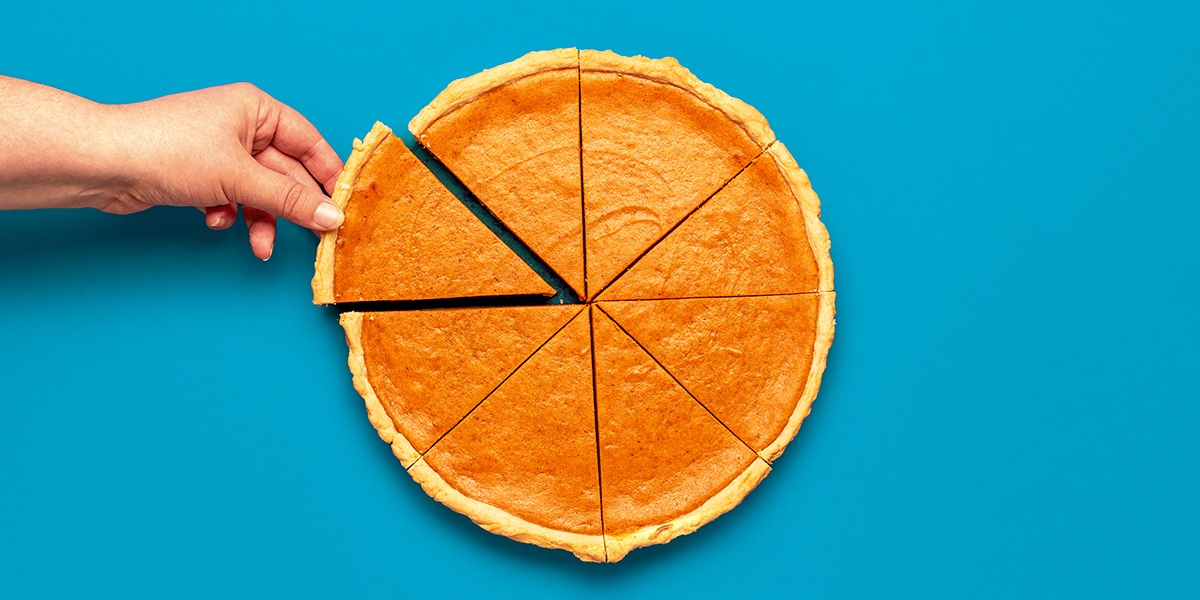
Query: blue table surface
x=1011 y=404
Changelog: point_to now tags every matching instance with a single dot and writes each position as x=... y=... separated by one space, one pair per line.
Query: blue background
x=1010 y=408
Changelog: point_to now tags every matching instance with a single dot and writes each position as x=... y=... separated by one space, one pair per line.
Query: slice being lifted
x=656 y=143
x=406 y=237
x=511 y=135
x=523 y=463
x=666 y=465
x=422 y=371
x=754 y=237
x=754 y=362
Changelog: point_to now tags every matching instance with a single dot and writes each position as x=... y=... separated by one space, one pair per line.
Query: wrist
x=58 y=150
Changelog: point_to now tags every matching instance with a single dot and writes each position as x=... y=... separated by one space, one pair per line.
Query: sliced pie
x=511 y=135
x=406 y=237
x=754 y=362
x=657 y=142
x=754 y=237
x=666 y=465
x=657 y=407
x=422 y=371
x=523 y=464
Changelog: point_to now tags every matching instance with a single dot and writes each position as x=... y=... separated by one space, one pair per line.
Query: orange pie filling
x=643 y=415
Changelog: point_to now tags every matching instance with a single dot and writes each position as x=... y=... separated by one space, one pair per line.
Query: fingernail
x=216 y=223
x=328 y=216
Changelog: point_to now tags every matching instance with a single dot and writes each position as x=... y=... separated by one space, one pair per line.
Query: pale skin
x=213 y=149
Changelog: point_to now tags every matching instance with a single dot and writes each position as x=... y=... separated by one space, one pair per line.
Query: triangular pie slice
x=748 y=239
x=666 y=465
x=421 y=371
x=754 y=362
x=511 y=135
x=406 y=237
x=523 y=463
x=656 y=143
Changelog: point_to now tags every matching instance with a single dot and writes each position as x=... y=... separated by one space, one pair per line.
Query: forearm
x=58 y=150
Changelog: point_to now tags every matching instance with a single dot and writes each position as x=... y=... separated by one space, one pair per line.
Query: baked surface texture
x=515 y=145
x=406 y=237
x=693 y=241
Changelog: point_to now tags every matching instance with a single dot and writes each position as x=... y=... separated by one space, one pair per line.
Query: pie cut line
x=407 y=237
x=745 y=476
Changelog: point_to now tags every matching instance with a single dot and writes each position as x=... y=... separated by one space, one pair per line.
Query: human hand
x=220 y=147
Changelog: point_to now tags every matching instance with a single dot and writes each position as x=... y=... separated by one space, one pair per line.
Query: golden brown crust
x=825 y=325
x=669 y=70
x=322 y=282
x=810 y=206
x=401 y=447
x=618 y=546
x=462 y=91
x=586 y=547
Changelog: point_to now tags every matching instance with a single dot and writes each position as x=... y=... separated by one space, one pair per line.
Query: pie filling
x=657 y=406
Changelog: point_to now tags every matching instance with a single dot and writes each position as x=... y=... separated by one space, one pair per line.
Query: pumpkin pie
x=695 y=242
x=511 y=135
x=406 y=237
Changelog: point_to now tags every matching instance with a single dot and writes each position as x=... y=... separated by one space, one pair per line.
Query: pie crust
x=738 y=478
x=668 y=70
x=322 y=282
x=462 y=91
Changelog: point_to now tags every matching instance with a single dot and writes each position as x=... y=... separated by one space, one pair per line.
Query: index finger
x=296 y=137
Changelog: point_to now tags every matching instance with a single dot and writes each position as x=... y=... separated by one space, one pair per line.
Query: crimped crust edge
x=463 y=91
x=322 y=281
x=589 y=548
x=668 y=70
x=824 y=338
x=720 y=503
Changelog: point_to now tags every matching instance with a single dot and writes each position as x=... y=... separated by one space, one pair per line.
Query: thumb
x=264 y=189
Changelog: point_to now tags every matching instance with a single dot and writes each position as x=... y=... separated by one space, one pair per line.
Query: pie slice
x=656 y=143
x=666 y=465
x=420 y=372
x=406 y=237
x=523 y=463
x=754 y=362
x=751 y=238
x=511 y=135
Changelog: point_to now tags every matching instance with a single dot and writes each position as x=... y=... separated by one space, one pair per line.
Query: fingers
x=262 y=231
x=294 y=136
x=281 y=163
x=277 y=194
x=220 y=217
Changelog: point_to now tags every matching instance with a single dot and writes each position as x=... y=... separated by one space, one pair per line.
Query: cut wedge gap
x=446 y=303
x=564 y=294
